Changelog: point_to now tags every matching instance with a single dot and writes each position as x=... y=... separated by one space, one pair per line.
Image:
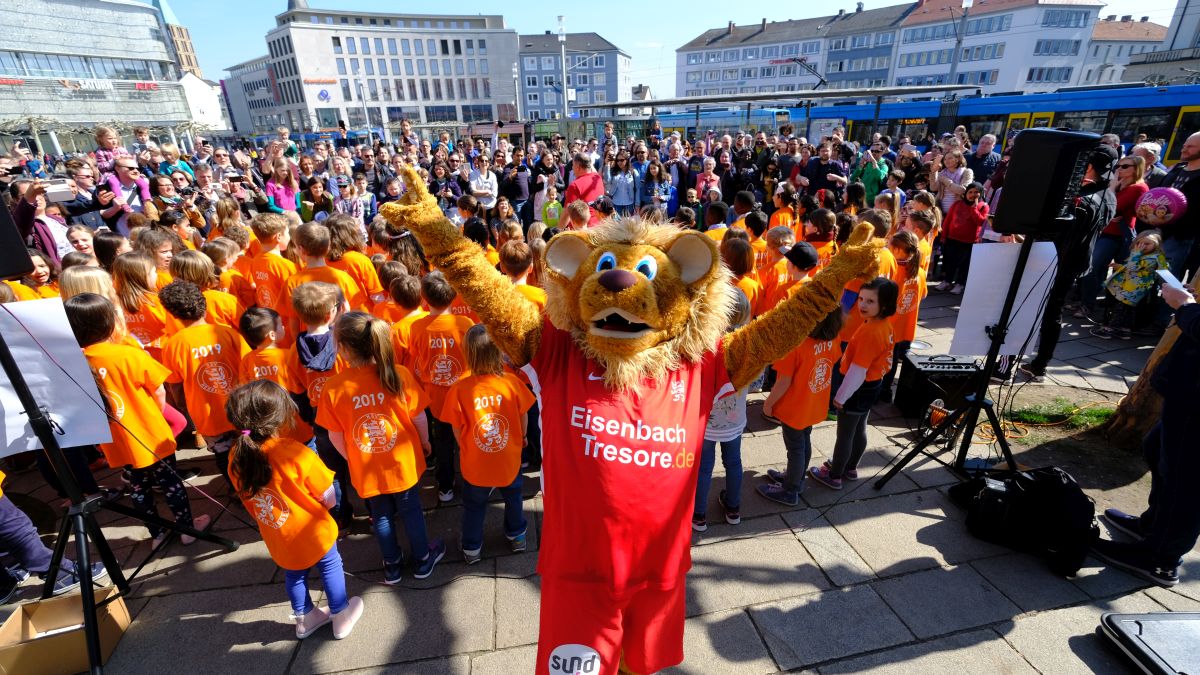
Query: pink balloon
x=1161 y=206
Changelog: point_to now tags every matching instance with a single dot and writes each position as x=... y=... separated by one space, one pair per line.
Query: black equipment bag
x=1040 y=511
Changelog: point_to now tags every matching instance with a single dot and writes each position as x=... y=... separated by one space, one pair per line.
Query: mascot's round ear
x=695 y=255
x=566 y=252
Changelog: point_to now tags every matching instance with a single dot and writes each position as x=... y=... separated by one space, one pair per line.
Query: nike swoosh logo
x=593 y=377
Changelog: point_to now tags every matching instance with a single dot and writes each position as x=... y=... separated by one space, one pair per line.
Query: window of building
x=346 y=90
x=712 y=75
x=341 y=66
x=532 y=81
x=399 y=90
x=353 y=66
x=770 y=52
x=747 y=73
x=462 y=88
x=431 y=48
x=837 y=44
x=412 y=90
x=791 y=50
x=386 y=86
x=990 y=24
x=470 y=48
x=470 y=66
x=372 y=90
x=599 y=79
x=395 y=67
x=424 y=90
x=391 y=42
x=459 y=68
x=583 y=79
x=531 y=63
x=836 y=67
x=1048 y=75
x=441 y=113
x=550 y=98
x=405 y=47
x=421 y=67
x=787 y=71
x=337 y=45
x=477 y=113
x=1065 y=18
x=695 y=58
x=548 y=80
x=1058 y=48
x=482 y=47
x=548 y=62
x=598 y=62
x=433 y=67
x=750 y=53
x=408 y=67
x=860 y=41
x=437 y=90
x=880 y=62
x=727 y=74
x=364 y=45
x=351 y=46
x=941 y=31
x=600 y=96
x=583 y=96
x=450 y=89
x=370 y=67
x=884 y=38
x=730 y=55
x=712 y=57
x=812 y=47
x=418 y=47
x=766 y=71
x=378 y=46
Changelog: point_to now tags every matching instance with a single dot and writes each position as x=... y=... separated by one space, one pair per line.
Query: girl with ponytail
x=374 y=411
x=287 y=489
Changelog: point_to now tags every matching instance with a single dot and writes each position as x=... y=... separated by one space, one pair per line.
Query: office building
x=597 y=71
x=1177 y=58
x=249 y=97
x=1115 y=42
x=761 y=57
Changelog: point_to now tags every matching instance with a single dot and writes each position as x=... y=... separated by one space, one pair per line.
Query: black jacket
x=1095 y=206
x=1178 y=375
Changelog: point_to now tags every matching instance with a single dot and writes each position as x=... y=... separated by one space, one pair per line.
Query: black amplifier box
x=924 y=378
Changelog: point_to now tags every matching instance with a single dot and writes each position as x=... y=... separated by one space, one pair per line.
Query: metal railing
x=1161 y=57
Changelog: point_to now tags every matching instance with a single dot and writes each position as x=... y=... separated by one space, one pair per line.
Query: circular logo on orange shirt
x=374 y=433
x=117 y=403
x=215 y=377
x=821 y=375
x=444 y=370
x=491 y=432
x=270 y=509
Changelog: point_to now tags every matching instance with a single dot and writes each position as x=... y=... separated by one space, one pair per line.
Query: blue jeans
x=332 y=576
x=384 y=509
x=1108 y=248
x=474 y=508
x=798 y=443
x=343 y=508
x=731 y=457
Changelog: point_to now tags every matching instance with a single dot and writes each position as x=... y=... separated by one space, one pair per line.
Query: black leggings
x=162 y=473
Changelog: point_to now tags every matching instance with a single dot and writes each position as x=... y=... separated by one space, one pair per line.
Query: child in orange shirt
x=263 y=331
x=406 y=295
x=773 y=275
x=312 y=244
x=224 y=254
x=269 y=270
x=488 y=412
x=910 y=280
x=222 y=308
x=161 y=244
x=374 y=411
x=516 y=261
x=787 y=203
x=738 y=256
x=436 y=356
x=798 y=401
x=756 y=227
x=867 y=358
x=387 y=309
x=346 y=248
x=821 y=230
x=921 y=223
x=311 y=362
x=42 y=282
x=132 y=385
x=204 y=360
x=288 y=491
x=135 y=277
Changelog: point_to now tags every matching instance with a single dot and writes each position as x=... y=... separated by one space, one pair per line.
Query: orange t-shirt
x=237 y=284
x=223 y=308
x=389 y=311
x=853 y=319
x=49 y=290
x=887 y=264
x=164 y=278
x=912 y=292
x=290 y=509
x=488 y=412
x=140 y=434
x=269 y=272
x=402 y=335
x=784 y=217
x=926 y=250
x=537 y=295
x=825 y=252
x=459 y=308
x=362 y=271
x=775 y=281
x=329 y=275
x=717 y=233
x=753 y=291
x=436 y=354
x=270 y=363
x=759 y=246
x=383 y=448
x=871 y=348
x=206 y=358
x=810 y=366
x=22 y=291
x=301 y=380
x=150 y=324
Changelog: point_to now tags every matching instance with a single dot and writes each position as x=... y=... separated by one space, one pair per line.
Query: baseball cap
x=803 y=255
x=342 y=181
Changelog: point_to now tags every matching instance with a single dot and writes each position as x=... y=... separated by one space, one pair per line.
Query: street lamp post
x=959 y=34
x=362 y=98
x=562 y=45
x=517 y=90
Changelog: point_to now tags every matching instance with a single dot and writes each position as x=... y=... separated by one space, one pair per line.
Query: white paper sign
x=70 y=398
x=992 y=267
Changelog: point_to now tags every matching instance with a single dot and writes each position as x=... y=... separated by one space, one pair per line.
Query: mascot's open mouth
x=617 y=323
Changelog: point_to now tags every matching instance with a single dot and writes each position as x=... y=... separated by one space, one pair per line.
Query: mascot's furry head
x=638 y=296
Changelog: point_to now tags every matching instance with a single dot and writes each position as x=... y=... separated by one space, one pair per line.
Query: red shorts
x=587 y=632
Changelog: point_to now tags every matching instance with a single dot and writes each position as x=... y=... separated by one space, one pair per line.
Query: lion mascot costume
x=626 y=364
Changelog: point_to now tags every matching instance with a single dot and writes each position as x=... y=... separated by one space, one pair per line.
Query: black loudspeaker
x=1043 y=178
x=925 y=378
x=14 y=257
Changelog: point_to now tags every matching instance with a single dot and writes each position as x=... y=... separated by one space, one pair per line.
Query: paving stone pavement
x=857 y=581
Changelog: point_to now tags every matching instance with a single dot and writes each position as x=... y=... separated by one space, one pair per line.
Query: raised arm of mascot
x=637 y=296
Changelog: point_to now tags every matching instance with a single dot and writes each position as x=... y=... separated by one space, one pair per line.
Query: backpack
x=1040 y=511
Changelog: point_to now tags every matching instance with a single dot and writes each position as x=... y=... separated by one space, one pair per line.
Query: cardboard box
x=46 y=637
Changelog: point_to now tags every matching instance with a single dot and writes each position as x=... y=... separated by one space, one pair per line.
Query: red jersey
x=603 y=449
x=588 y=187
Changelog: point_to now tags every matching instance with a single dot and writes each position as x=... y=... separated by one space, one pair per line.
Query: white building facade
x=249 y=97
x=749 y=59
x=597 y=72
x=1115 y=42
x=326 y=67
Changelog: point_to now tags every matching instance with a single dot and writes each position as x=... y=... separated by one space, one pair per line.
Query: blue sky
x=226 y=32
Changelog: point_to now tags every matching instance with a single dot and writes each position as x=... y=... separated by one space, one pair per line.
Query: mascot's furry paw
x=417 y=210
x=860 y=252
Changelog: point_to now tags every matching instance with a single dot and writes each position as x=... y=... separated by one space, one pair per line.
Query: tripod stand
x=978 y=401
x=80 y=518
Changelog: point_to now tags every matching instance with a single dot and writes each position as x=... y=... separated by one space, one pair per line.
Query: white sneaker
x=943 y=287
x=343 y=621
x=307 y=623
x=957 y=290
x=198 y=523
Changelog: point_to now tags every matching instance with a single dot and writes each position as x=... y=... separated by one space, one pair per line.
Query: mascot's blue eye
x=647 y=267
x=607 y=261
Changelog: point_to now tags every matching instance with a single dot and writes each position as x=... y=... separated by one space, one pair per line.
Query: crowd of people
x=253 y=302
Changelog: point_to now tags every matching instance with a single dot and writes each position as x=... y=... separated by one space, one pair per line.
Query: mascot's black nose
x=617 y=280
